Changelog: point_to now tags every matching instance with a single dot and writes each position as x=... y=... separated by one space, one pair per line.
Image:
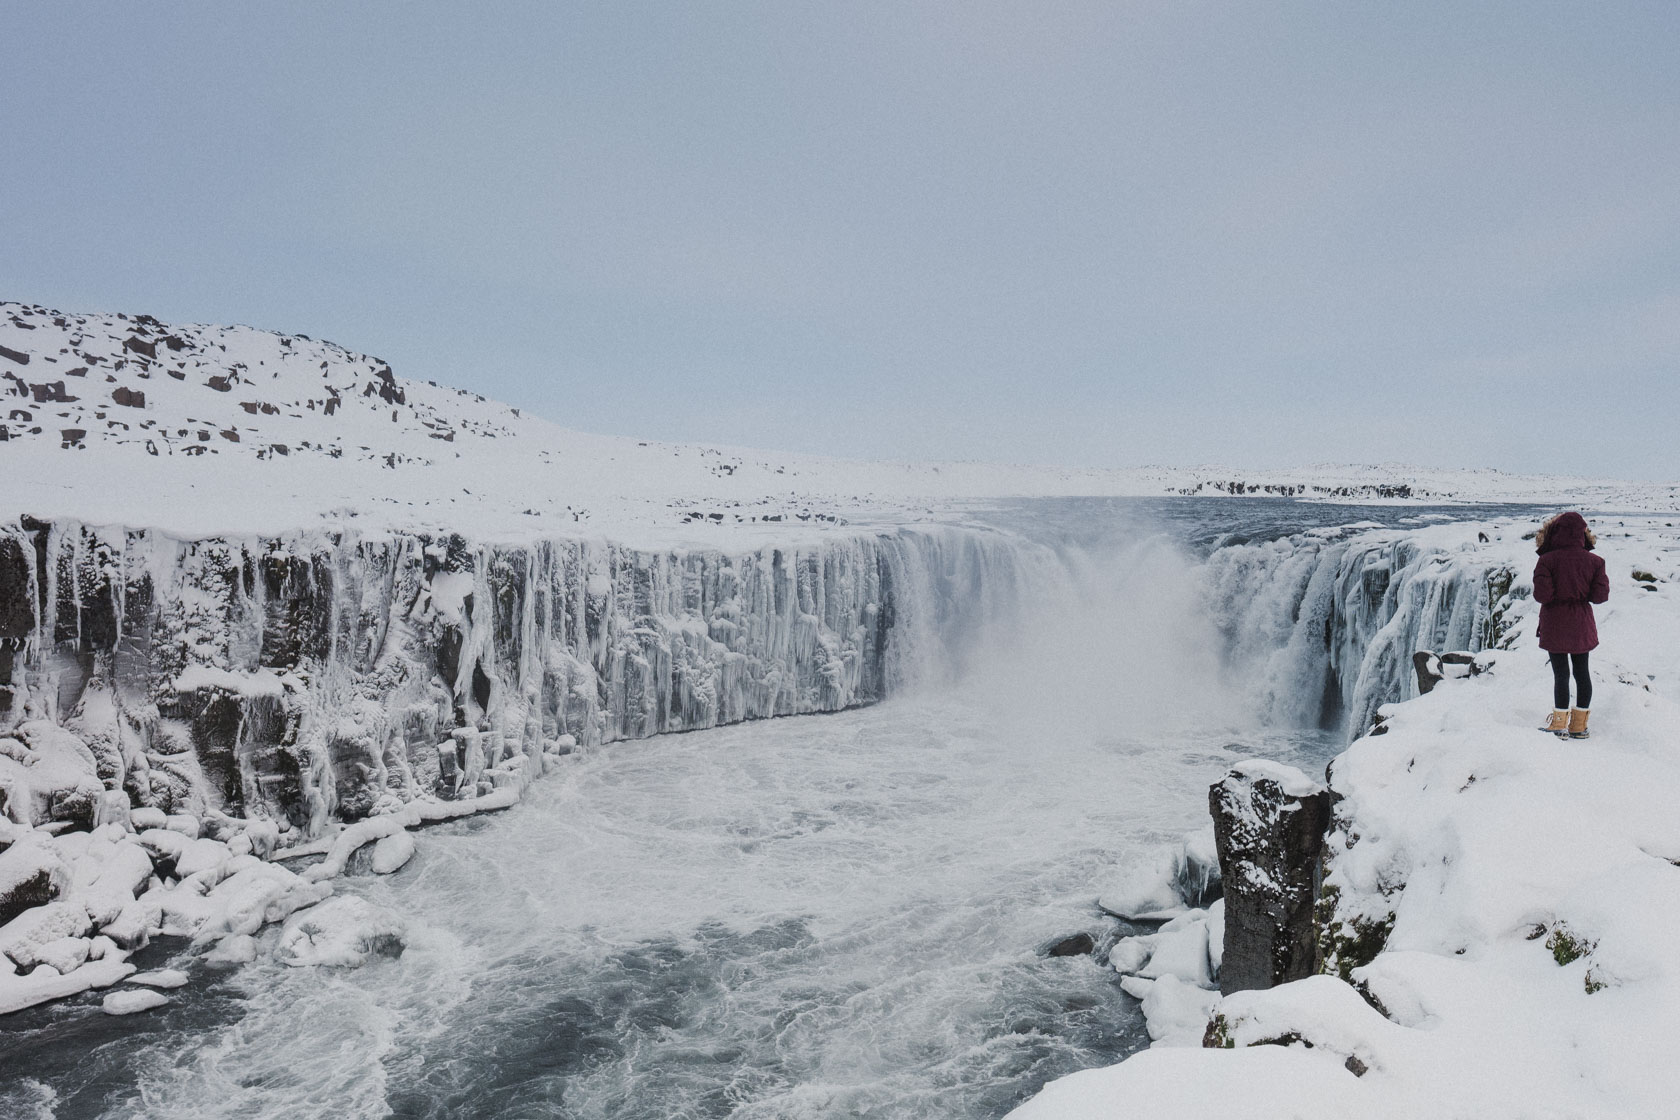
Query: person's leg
x=1583 y=681
x=1560 y=682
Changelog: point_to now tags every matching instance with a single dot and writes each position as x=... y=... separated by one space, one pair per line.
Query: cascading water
x=1324 y=625
x=821 y=917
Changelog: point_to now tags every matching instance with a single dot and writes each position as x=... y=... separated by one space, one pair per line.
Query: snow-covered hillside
x=122 y=419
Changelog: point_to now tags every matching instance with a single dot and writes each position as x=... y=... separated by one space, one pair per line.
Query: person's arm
x=1542 y=583
x=1600 y=582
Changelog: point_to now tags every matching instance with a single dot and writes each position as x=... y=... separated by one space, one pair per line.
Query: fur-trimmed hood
x=1566 y=530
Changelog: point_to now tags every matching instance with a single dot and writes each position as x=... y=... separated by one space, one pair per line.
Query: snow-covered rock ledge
x=1496 y=927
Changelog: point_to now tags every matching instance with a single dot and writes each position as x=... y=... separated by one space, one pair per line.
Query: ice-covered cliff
x=323 y=675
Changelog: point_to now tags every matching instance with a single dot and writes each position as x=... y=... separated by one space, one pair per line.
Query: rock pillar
x=1269 y=822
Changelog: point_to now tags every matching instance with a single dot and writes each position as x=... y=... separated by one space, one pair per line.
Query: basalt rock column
x=1268 y=823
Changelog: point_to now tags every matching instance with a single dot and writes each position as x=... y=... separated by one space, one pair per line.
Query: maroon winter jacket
x=1568 y=580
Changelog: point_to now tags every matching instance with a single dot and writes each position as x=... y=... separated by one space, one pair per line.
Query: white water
x=817 y=917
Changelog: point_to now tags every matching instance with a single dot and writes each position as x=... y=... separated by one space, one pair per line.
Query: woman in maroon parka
x=1568 y=580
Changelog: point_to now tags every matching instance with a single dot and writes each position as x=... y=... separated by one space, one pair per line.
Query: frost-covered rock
x=342 y=932
x=391 y=852
x=31 y=874
x=24 y=936
x=47 y=774
x=146 y=817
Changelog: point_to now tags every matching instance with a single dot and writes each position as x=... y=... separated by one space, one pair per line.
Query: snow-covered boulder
x=46 y=983
x=342 y=932
x=134 y=925
x=64 y=954
x=250 y=898
x=1174 y=1012
x=47 y=774
x=391 y=852
x=31 y=874
x=23 y=937
x=146 y=817
x=130 y=1002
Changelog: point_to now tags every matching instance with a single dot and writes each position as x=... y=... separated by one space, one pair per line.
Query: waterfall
x=1320 y=628
x=325 y=675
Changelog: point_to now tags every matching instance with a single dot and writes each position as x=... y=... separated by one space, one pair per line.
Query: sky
x=1106 y=234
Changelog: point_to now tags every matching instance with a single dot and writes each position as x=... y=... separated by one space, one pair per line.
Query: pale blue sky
x=1104 y=233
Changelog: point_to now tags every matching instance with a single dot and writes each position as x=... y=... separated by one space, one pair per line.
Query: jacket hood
x=1566 y=530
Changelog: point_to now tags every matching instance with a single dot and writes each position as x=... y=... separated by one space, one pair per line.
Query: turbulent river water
x=823 y=916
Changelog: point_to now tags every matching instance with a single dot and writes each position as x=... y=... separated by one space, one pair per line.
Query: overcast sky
x=1091 y=233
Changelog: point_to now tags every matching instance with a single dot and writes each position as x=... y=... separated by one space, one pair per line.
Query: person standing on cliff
x=1568 y=580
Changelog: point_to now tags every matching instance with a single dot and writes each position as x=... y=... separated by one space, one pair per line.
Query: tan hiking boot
x=1557 y=723
x=1578 y=723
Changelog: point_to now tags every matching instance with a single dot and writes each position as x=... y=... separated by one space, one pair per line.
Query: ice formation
x=316 y=677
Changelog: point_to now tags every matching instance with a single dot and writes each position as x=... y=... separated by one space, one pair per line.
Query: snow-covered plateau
x=266 y=609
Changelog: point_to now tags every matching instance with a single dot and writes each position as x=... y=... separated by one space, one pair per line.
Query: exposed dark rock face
x=1269 y=823
x=320 y=676
x=1076 y=945
x=1428 y=669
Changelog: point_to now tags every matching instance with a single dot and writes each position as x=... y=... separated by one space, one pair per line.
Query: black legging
x=1560 y=680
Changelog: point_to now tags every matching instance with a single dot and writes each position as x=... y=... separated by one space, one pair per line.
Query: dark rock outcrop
x=1076 y=945
x=1269 y=822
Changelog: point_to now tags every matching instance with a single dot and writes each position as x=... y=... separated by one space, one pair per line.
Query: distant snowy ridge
x=211 y=429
